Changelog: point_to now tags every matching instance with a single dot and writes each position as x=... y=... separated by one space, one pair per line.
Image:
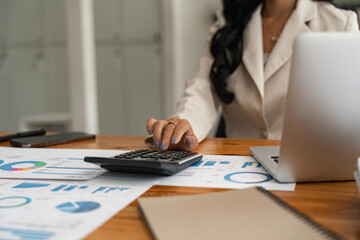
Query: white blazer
x=258 y=107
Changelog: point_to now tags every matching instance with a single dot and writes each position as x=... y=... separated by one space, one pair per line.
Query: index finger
x=150 y=125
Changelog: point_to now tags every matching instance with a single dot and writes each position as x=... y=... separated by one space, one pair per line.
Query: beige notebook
x=252 y=213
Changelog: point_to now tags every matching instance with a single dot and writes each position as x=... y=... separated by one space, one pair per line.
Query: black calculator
x=147 y=161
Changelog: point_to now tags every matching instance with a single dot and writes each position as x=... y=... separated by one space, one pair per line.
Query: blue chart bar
x=31 y=185
x=197 y=164
x=99 y=190
x=58 y=188
x=224 y=162
x=249 y=164
x=27 y=234
x=83 y=187
x=70 y=188
x=116 y=188
x=210 y=163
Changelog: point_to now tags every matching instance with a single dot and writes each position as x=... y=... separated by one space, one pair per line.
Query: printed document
x=64 y=209
x=219 y=171
x=47 y=163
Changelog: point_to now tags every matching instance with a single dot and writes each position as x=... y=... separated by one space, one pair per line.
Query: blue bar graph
x=58 y=188
x=27 y=234
x=99 y=189
x=249 y=164
x=224 y=162
x=70 y=188
x=116 y=188
x=197 y=164
x=210 y=163
x=31 y=185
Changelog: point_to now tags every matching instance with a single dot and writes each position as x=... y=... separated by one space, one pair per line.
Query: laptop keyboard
x=275 y=158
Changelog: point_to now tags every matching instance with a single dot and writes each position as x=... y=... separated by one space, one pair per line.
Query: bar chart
x=225 y=172
x=25 y=234
x=209 y=163
x=69 y=188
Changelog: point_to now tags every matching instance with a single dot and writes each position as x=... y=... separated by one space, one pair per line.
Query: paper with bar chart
x=49 y=163
x=64 y=210
x=220 y=171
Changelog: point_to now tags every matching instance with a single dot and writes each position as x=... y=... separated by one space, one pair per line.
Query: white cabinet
x=54 y=24
x=26 y=20
x=108 y=17
x=111 y=100
x=143 y=84
x=33 y=75
x=141 y=19
x=34 y=72
x=128 y=64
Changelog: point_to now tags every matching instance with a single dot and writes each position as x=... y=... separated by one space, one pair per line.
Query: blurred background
x=100 y=66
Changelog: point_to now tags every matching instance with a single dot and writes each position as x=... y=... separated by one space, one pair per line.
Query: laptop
x=321 y=132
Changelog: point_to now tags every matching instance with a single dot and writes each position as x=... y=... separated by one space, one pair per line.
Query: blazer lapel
x=297 y=23
x=253 y=50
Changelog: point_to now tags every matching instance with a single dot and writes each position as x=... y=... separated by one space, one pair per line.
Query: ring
x=171 y=122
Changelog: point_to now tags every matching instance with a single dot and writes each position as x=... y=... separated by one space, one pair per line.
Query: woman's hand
x=174 y=133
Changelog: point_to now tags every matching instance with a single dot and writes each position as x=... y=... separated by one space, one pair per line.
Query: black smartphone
x=50 y=140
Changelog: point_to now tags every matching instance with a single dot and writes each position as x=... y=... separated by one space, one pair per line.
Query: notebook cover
x=251 y=213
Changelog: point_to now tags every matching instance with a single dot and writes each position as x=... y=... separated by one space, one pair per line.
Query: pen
x=22 y=134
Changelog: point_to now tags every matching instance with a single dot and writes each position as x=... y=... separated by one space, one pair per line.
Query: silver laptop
x=321 y=133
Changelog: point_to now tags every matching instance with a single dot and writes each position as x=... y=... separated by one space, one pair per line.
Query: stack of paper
x=42 y=197
x=46 y=209
x=357 y=174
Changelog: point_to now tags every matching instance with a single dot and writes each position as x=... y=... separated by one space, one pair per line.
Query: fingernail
x=163 y=146
x=157 y=145
x=173 y=141
x=191 y=141
x=149 y=131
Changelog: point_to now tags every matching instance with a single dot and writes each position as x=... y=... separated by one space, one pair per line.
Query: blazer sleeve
x=199 y=104
x=352 y=24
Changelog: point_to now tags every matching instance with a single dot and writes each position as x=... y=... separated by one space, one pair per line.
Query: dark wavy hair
x=227 y=44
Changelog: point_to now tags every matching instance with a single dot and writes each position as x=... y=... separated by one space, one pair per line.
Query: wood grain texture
x=335 y=205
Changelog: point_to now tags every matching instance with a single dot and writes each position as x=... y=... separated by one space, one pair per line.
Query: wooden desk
x=334 y=205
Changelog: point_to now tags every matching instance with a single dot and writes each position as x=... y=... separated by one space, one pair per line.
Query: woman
x=246 y=71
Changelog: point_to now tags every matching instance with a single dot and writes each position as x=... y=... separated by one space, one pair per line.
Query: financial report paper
x=47 y=163
x=220 y=171
x=41 y=209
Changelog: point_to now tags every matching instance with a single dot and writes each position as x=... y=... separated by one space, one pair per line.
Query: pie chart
x=248 y=177
x=11 y=202
x=22 y=166
x=78 y=206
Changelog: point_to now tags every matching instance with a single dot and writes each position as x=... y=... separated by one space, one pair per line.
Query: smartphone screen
x=50 y=140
